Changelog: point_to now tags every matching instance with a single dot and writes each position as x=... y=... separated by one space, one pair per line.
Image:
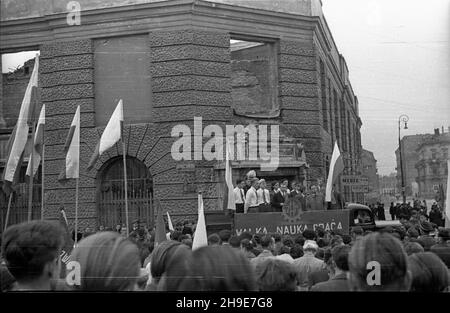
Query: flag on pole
x=229 y=191
x=111 y=135
x=71 y=167
x=447 y=198
x=160 y=233
x=169 y=221
x=8 y=186
x=336 y=168
x=38 y=143
x=19 y=137
x=200 y=236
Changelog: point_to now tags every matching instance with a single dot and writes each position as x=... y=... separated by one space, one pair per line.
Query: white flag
x=200 y=236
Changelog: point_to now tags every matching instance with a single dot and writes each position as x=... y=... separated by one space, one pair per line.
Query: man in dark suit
x=279 y=198
x=339 y=282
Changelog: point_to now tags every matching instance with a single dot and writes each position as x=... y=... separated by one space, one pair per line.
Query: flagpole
x=30 y=185
x=42 y=180
x=76 y=211
x=126 y=184
x=7 y=211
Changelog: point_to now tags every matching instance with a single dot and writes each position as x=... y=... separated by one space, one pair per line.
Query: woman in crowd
x=166 y=258
x=429 y=273
x=276 y=275
x=215 y=268
x=384 y=251
x=108 y=262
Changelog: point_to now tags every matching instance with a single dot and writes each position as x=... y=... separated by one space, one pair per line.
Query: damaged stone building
x=228 y=62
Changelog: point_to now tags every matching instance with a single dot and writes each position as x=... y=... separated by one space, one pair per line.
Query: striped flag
x=111 y=135
x=229 y=191
x=19 y=137
x=72 y=150
x=447 y=198
x=336 y=168
x=38 y=143
x=169 y=221
x=200 y=236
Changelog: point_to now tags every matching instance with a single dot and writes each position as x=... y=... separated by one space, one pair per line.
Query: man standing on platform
x=239 y=196
x=251 y=198
x=279 y=199
x=263 y=197
x=315 y=201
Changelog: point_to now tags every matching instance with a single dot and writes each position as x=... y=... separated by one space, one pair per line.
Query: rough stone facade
x=191 y=76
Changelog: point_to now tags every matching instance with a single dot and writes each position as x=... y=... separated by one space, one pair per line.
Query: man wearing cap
x=442 y=249
x=263 y=197
x=251 y=198
x=239 y=196
x=308 y=264
x=425 y=239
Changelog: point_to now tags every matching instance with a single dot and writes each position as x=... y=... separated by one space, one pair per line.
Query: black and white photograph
x=242 y=148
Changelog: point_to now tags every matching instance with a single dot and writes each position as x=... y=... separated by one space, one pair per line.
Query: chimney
x=436 y=131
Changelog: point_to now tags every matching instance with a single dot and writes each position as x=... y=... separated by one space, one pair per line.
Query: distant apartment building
x=409 y=159
x=369 y=170
x=388 y=185
x=431 y=166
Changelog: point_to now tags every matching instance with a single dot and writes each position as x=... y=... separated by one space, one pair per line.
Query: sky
x=398 y=55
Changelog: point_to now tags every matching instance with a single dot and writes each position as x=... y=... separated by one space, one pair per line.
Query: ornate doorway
x=111 y=193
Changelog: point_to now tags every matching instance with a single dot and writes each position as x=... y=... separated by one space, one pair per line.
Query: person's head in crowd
x=184 y=237
x=339 y=258
x=108 y=262
x=262 y=184
x=296 y=251
x=175 y=235
x=187 y=230
x=284 y=250
x=310 y=247
x=429 y=273
x=31 y=252
x=346 y=239
x=235 y=242
x=166 y=257
x=300 y=240
x=389 y=255
x=285 y=183
x=216 y=268
x=187 y=242
x=444 y=235
x=245 y=235
x=356 y=232
x=246 y=245
x=401 y=232
x=426 y=228
x=309 y=234
x=320 y=254
x=321 y=242
x=336 y=240
x=412 y=233
x=275 y=186
x=412 y=247
x=101 y=228
x=257 y=239
x=225 y=235
x=240 y=183
x=276 y=275
x=287 y=241
x=320 y=232
x=214 y=239
x=255 y=182
x=267 y=242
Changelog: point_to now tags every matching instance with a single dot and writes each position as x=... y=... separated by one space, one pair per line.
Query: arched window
x=111 y=193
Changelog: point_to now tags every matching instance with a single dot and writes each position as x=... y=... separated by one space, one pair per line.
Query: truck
x=339 y=221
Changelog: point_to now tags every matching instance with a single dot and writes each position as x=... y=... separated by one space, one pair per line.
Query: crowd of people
x=412 y=257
